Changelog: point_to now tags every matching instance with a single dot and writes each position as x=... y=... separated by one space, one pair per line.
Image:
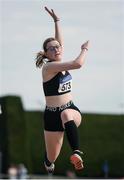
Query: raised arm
x=58 y=33
x=74 y=64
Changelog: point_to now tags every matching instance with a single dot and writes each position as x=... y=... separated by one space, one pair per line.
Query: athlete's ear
x=46 y=54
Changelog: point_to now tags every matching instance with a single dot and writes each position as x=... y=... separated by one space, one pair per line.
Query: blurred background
x=98 y=87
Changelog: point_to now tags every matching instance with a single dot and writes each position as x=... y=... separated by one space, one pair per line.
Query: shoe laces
x=78 y=152
x=49 y=168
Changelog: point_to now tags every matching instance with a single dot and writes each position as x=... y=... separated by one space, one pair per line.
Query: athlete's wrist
x=56 y=20
x=84 y=48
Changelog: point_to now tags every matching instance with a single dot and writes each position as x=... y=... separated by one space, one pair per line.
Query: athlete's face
x=54 y=51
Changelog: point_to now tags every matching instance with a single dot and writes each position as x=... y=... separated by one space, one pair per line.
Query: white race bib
x=64 y=87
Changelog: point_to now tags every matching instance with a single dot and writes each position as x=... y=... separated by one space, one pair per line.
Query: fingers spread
x=48 y=10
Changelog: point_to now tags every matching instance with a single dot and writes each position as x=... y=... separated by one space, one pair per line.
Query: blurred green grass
x=22 y=141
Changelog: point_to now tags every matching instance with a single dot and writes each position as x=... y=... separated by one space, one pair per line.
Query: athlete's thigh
x=71 y=114
x=53 y=142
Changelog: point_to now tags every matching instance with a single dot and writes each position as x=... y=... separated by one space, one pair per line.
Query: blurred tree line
x=22 y=141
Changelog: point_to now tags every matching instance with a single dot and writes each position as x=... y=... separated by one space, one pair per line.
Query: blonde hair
x=40 y=57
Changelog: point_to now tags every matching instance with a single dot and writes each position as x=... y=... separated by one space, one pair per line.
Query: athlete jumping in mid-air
x=61 y=115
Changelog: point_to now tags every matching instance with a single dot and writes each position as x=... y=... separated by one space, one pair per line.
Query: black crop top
x=58 y=85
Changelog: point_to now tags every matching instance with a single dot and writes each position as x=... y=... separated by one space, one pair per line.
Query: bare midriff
x=57 y=101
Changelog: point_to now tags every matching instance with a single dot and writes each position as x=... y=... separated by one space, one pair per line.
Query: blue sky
x=99 y=85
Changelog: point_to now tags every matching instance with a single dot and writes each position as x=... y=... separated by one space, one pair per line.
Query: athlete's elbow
x=77 y=64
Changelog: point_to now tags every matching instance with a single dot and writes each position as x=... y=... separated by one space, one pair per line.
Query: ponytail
x=40 y=59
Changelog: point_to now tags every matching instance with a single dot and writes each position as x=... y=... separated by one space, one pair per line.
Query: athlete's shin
x=72 y=134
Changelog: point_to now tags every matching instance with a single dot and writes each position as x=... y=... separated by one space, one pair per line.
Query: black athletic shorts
x=52 y=116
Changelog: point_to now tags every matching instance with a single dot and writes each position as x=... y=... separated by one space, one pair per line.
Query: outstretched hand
x=85 y=45
x=52 y=14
